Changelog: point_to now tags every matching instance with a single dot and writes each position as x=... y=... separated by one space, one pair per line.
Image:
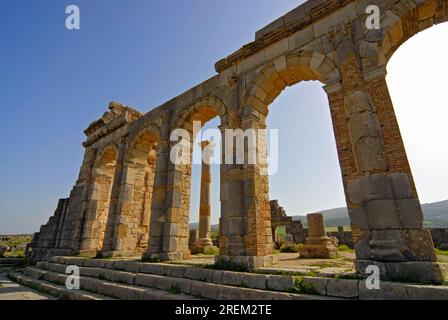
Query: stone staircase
x=102 y=279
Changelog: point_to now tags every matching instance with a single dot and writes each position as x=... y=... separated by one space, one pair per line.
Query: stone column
x=205 y=198
x=383 y=207
x=317 y=245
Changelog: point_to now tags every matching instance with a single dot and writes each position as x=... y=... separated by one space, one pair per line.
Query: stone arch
x=285 y=71
x=136 y=191
x=203 y=109
x=99 y=199
x=173 y=232
x=405 y=19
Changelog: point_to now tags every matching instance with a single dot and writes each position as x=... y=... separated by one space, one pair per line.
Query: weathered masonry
x=131 y=199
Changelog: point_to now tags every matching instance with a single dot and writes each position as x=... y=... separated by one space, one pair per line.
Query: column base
x=318 y=248
x=249 y=263
x=315 y=251
x=423 y=272
x=204 y=242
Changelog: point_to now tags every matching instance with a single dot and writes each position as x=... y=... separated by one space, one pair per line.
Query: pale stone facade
x=131 y=199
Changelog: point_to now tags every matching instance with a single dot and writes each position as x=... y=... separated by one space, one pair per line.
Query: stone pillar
x=246 y=234
x=317 y=245
x=205 y=198
x=193 y=239
x=380 y=196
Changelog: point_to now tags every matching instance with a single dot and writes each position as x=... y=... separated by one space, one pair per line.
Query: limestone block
x=280 y=283
x=90 y=272
x=301 y=38
x=362 y=265
x=257 y=281
x=387 y=291
x=199 y=274
x=170 y=229
x=415 y=271
x=183 y=284
x=231 y=293
x=147 y=280
x=399 y=245
x=232 y=208
x=382 y=214
x=342 y=288
x=358 y=216
x=95 y=263
x=319 y=285
x=132 y=266
x=124 y=277
x=401 y=186
x=164 y=283
x=152 y=268
x=204 y=290
x=232 y=278
x=175 y=271
x=410 y=213
x=418 y=292
x=170 y=244
x=370 y=187
x=217 y=276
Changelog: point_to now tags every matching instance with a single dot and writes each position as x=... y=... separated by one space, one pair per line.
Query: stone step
x=56 y=290
x=187 y=286
x=106 y=288
x=241 y=279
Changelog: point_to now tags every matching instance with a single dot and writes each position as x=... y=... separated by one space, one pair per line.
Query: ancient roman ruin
x=130 y=199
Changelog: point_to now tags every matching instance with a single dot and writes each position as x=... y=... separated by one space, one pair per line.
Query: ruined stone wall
x=323 y=40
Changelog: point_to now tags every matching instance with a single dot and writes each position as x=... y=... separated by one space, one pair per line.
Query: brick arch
x=286 y=71
x=407 y=18
x=203 y=109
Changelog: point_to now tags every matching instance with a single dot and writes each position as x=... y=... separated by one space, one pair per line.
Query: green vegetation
x=287 y=248
x=211 y=251
x=17 y=244
x=301 y=287
x=214 y=233
x=175 y=289
x=441 y=252
x=229 y=265
x=345 y=248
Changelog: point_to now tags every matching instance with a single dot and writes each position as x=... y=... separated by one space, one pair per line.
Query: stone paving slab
x=13 y=291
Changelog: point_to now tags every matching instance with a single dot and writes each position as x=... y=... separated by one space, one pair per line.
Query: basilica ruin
x=131 y=200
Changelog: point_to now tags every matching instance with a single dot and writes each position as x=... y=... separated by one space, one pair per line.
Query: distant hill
x=436 y=215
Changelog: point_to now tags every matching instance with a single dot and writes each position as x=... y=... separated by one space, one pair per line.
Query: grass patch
x=211 y=251
x=441 y=252
x=301 y=287
x=345 y=248
x=175 y=289
x=290 y=248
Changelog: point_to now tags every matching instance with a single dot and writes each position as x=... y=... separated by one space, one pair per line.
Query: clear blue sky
x=54 y=82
